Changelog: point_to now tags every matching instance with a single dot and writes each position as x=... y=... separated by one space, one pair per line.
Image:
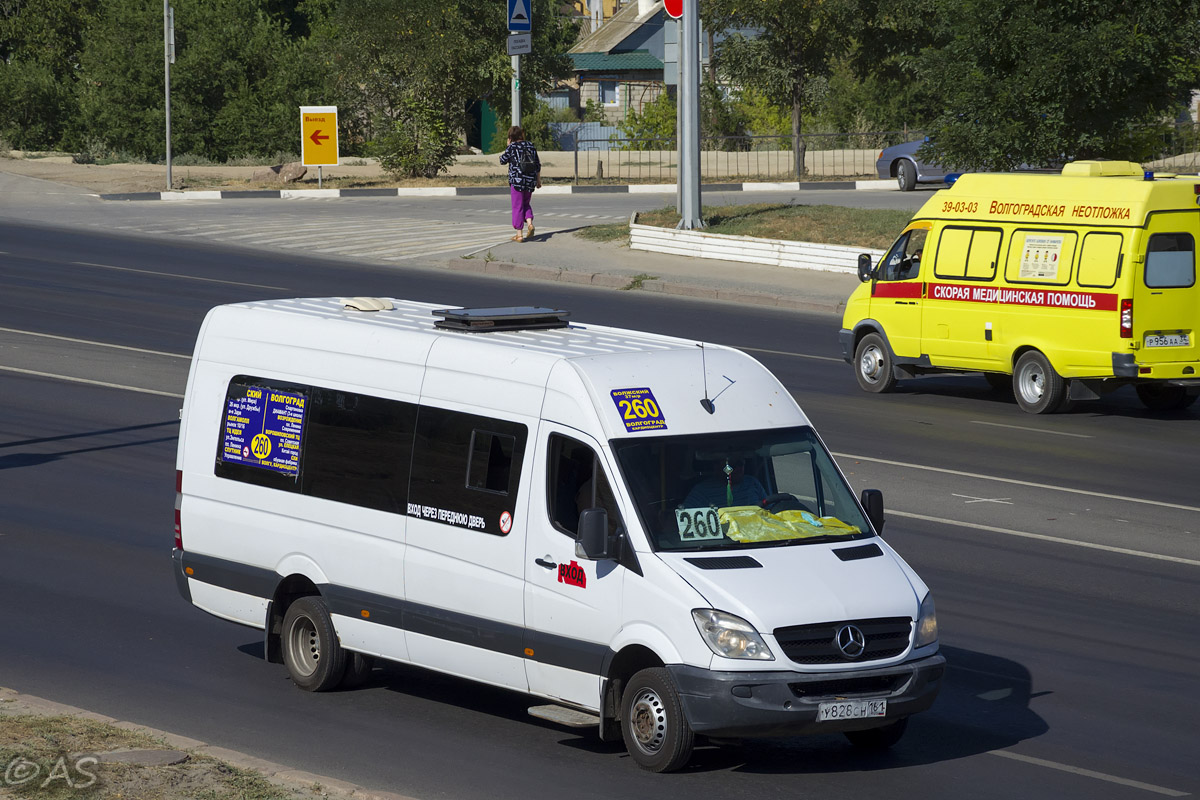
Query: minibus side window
x=1170 y=261
x=358 y=449
x=1099 y=259
x=491 y=461
x=576 y=481
x=466 y=469
x=252 y=445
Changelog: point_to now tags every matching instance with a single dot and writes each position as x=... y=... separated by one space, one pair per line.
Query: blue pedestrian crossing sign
x=519 y=16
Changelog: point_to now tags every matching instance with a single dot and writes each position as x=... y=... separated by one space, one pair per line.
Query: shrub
x=419 y=145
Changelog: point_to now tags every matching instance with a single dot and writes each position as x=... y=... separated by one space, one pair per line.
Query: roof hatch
x=487 y=320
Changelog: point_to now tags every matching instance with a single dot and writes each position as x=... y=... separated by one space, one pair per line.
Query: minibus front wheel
x=656 y=731
x=873 y=364
x=1039 y=389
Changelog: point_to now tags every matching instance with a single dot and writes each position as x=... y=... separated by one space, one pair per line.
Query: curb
x=608 y=280
x=14 y=703
x=468 y=191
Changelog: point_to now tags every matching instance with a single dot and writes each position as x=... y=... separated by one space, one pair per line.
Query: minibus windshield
x=731 y=491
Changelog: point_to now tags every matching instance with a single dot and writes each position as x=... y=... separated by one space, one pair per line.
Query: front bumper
x=846 y=340
x=778 y=703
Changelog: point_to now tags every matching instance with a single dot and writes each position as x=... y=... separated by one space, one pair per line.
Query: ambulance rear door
x=1166 y=298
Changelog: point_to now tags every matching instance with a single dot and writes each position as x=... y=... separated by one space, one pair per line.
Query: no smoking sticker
x=505 y=522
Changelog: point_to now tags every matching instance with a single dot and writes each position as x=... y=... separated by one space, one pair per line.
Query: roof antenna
x=706 y=404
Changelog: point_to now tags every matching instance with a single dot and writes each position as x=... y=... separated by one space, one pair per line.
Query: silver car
x=900 y=162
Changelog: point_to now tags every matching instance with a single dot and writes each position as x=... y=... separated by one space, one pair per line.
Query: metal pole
x=168 y=57
x=689 y=117
x=516 y=90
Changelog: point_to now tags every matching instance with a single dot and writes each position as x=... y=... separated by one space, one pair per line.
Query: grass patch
x=637 y=281
x=853 y=227
x=609 y=232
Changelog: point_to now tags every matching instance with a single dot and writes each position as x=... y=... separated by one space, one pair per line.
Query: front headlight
x=729 y=636
x=926 y=623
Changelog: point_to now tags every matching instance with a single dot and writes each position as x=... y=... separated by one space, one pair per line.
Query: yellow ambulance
x=1062 y=287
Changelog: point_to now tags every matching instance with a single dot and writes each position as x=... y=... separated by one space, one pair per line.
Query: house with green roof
x=619 y=66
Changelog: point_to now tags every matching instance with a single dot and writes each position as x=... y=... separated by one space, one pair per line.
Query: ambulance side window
x=903 y=261
x=1100 y=260
x=466 y=469
x=968 y=253
x=576 y=481
x=1170 y=261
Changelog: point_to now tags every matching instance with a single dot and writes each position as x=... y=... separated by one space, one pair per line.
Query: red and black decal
x=572 y=574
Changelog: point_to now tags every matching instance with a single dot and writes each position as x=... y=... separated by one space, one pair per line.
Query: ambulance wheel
x=878 y=738
x=873 y=364
x=1162 y=397
x=906 y=176
x=1037 y=387
x=657 y=735
x=311 y=652
x=999 y=381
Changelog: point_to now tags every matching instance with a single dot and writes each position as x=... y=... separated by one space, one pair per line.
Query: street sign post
x=520 y=44
x=520 y=20
x=318 y=137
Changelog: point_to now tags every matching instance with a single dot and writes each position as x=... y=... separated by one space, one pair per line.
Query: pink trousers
x=521 y=209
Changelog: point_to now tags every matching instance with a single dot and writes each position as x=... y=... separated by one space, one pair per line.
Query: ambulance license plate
x=851 y=709
x=1168 y=340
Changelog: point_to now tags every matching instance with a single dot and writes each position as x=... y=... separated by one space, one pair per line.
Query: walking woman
x=524 y=175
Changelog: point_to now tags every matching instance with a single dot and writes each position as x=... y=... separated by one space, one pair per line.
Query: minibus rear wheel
x=873 y=364
x=311 y=652
x=1039 y=389
x=1164 y=397
x=656 y=732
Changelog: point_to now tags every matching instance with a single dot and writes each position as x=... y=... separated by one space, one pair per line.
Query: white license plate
x=851 y=709
x=1168 y=340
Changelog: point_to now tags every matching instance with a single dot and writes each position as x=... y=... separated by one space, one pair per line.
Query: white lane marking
x=97 y=344
x=970 y=498
x=92 y=383
x=1068 y=489
x=1045 y=538
x=1087 y=773
x=787 y=353
x=173 y=275
x=1035 y=430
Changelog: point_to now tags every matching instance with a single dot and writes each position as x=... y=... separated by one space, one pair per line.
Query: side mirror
x=864 y=267
x=592 y=542
x=872 y=503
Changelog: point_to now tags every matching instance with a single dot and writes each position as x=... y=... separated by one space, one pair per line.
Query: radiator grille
x=817 y=644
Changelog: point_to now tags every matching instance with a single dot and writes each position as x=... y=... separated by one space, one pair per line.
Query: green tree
x=649 y=128
x=1036 y=82
x=444 y=53
x=40 y=42
x=795 y=43
x=236 y=85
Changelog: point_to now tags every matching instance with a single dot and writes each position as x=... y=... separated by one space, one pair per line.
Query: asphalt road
x=1062 y=552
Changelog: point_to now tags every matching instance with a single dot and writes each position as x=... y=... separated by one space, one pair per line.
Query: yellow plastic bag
x=754 y=524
